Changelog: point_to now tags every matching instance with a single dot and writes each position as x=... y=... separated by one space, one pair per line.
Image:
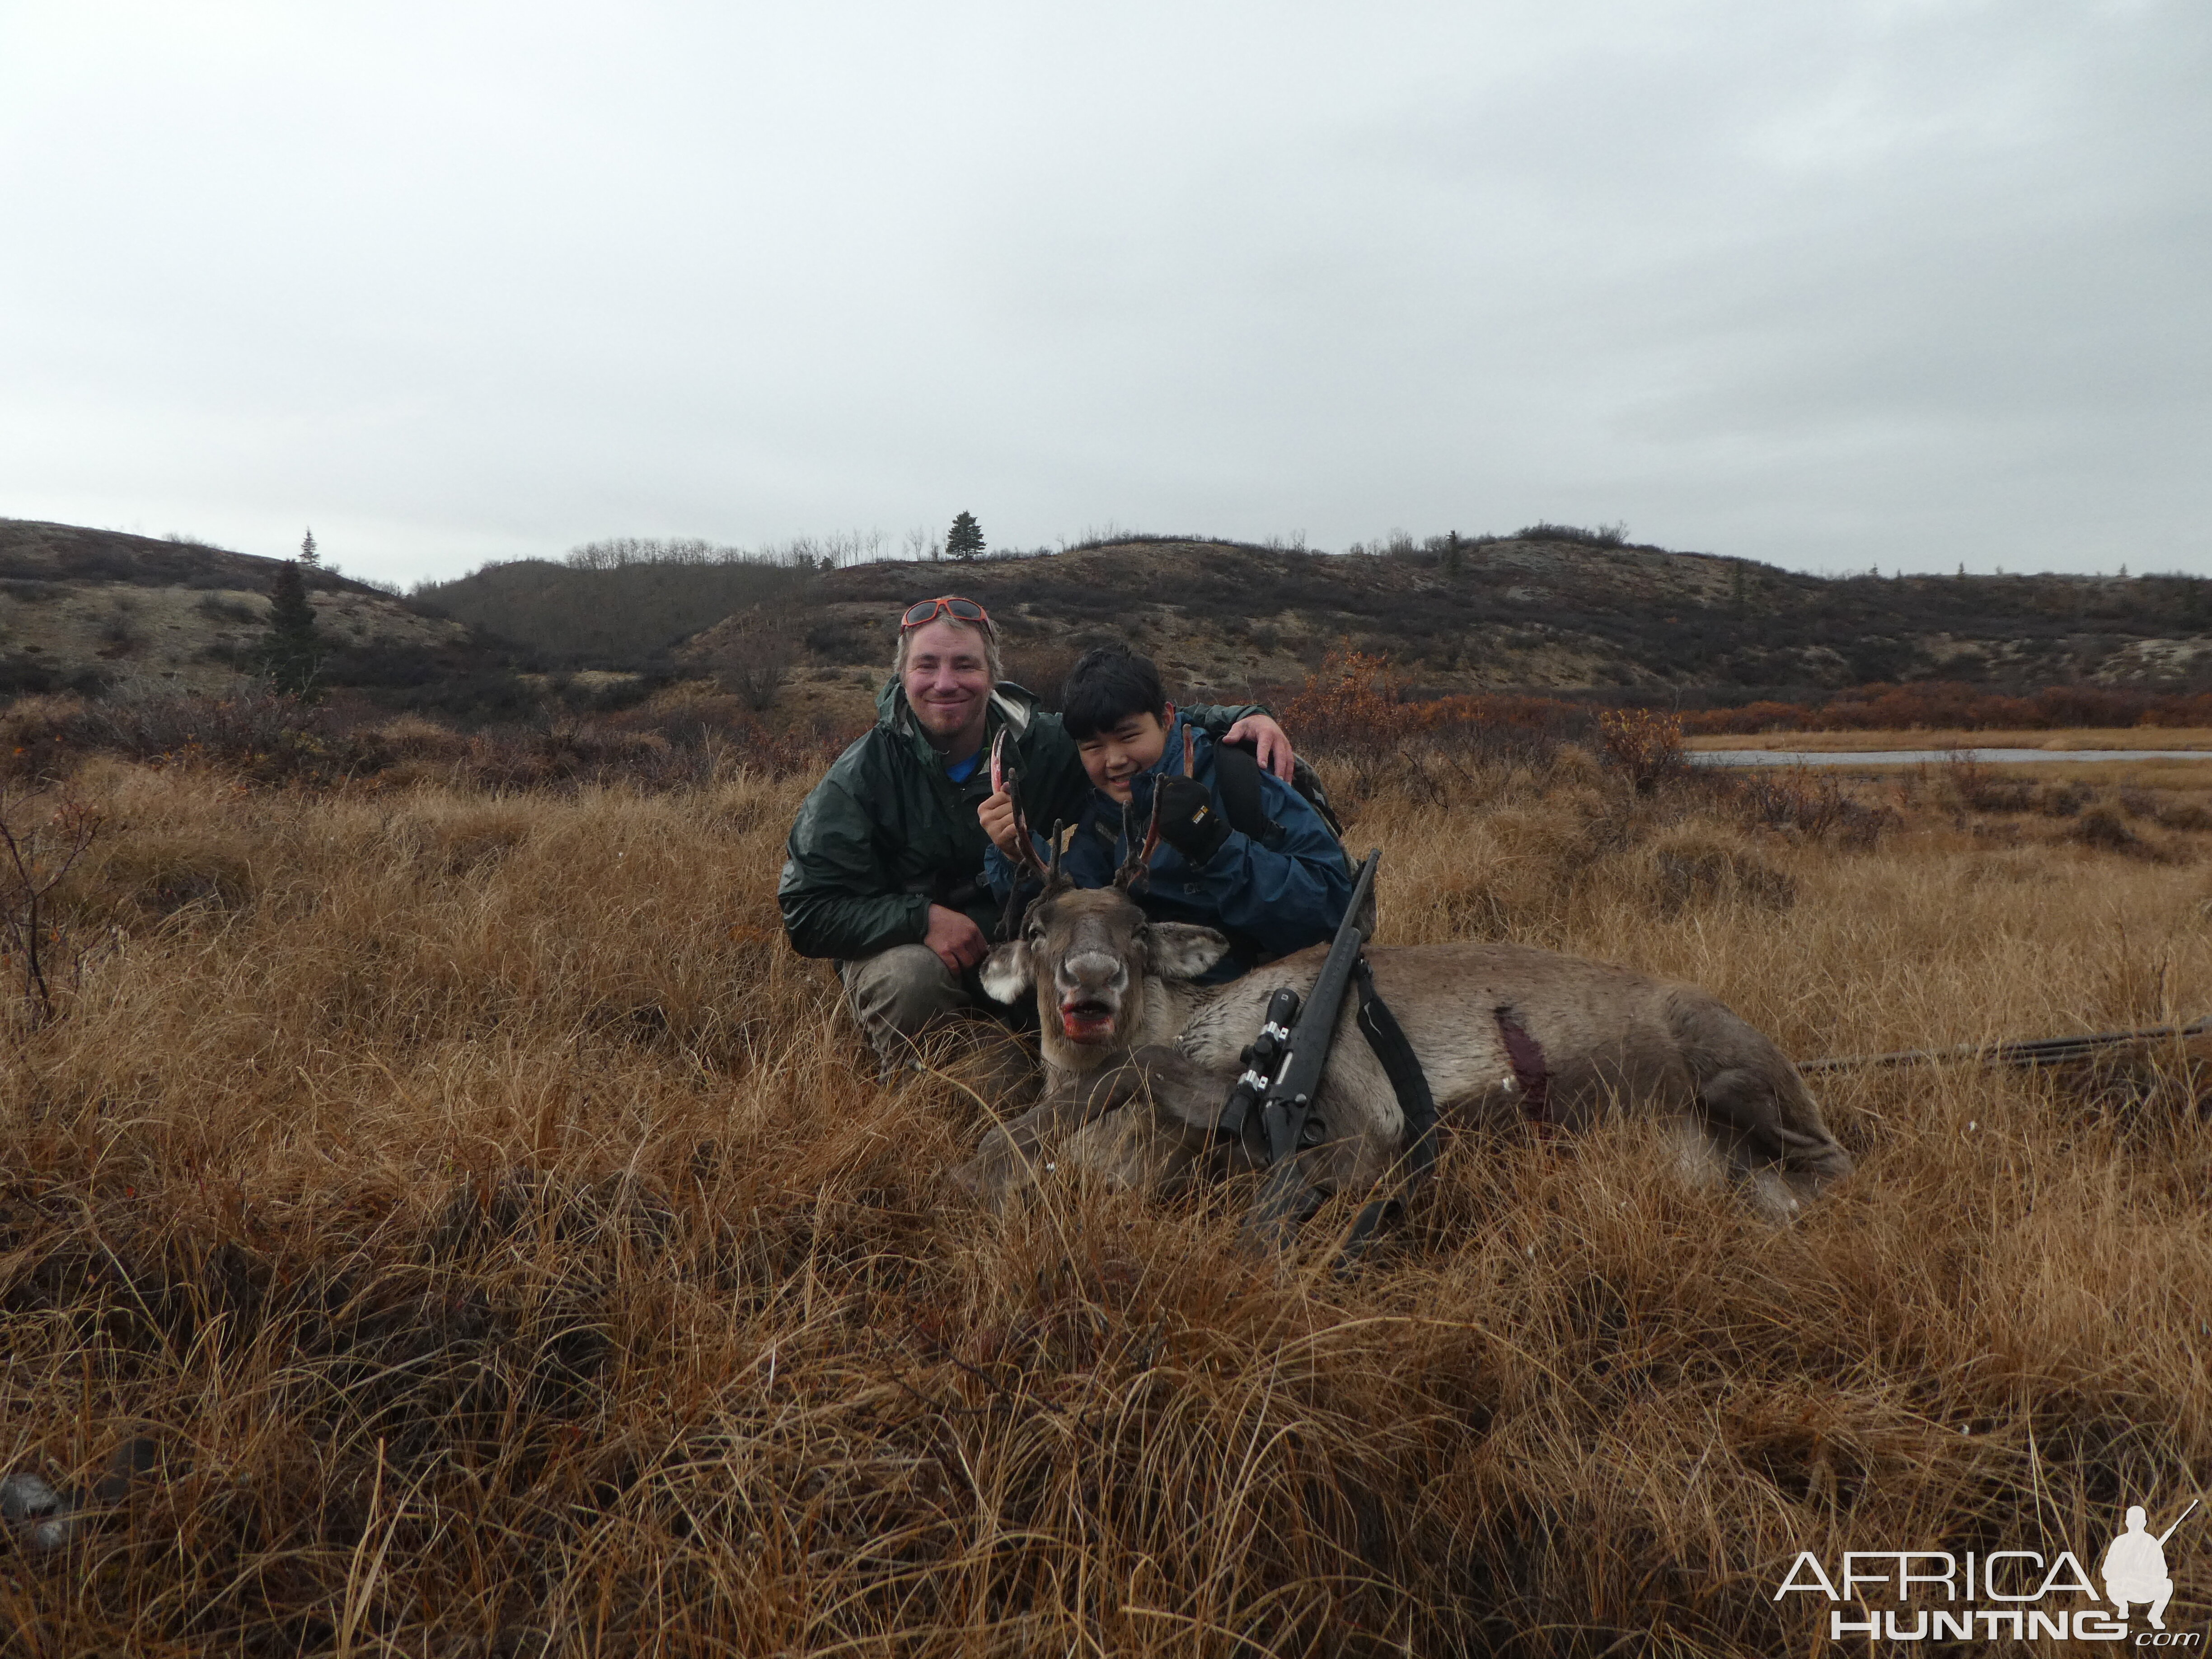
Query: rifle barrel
x=2177 y=1520
x=2015 y=1051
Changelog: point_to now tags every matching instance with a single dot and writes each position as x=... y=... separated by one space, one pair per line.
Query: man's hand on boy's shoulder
x=1268 y=739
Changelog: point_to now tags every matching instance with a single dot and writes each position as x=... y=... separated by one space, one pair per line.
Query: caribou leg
x=1777 y=1145
x=1145 y=1122
x=1015 y=1154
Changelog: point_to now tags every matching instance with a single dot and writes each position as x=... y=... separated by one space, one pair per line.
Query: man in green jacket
x=884 y=865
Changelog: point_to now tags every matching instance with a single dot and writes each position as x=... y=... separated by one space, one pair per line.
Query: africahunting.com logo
x=2013 y=1595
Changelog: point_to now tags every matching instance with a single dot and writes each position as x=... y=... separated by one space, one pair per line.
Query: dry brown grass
x=502 y=1237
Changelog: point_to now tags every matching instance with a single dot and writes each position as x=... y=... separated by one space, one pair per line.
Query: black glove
x=1190 y=821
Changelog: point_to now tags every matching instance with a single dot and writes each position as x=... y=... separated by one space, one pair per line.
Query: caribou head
x=1093 y=959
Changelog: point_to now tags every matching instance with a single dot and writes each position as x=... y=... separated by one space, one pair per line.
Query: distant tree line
x=799 y=553
x=1949 y=705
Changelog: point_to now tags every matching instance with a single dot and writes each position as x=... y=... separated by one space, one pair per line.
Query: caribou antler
x=1054 y=884
x=1026 y=862
x=1136 y=868
x=1007 y=782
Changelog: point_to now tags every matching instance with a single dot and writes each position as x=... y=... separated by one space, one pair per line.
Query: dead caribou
x=1138 y=1060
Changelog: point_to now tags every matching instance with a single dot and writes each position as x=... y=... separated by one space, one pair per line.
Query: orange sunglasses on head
x=924 y=611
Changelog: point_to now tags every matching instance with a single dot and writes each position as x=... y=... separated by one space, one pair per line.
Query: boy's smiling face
x=1133 y=745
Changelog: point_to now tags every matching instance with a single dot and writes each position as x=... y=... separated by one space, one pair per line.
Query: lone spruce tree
x=291 y=652
x=965 y=539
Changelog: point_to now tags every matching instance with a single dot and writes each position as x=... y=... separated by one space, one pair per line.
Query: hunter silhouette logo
x=2018 y=1595
x=2135 y=1566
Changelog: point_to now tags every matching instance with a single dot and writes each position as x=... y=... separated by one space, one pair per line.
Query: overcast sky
x=1861 y=282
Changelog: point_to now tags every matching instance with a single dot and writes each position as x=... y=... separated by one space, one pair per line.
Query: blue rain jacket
x=1271 y=897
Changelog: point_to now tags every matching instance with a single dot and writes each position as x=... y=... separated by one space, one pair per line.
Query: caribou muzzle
x=1091 y=982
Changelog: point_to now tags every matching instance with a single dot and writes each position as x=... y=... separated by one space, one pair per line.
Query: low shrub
x=2145 y=804
x=1352 y=703
x=1606 y=535
x=2104 y=829
x=1041 y=667
x=1695 y=865
x=1819 y=809
x=229 y=608
x=2063 y=800
x=1645 y=744
x=1949 y=705
x=753 y=663
x=1970 y=786
x=269 y=736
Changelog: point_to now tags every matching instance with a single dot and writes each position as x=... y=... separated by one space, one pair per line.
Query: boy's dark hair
x=1109 y=683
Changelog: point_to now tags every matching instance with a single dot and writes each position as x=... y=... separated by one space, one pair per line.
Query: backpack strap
x=1236 y=776
x=1307 y=783
x=1236 y=773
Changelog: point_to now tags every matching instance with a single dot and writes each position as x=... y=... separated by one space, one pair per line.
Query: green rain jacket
x=887 y=834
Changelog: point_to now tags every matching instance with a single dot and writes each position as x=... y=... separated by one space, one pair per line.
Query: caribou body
x=1138 y=1060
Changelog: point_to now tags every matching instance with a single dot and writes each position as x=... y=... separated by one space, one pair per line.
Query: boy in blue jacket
x=1271 y=892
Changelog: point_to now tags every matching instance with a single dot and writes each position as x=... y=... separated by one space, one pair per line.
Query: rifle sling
x=1417 y=1103
x=1236 y=776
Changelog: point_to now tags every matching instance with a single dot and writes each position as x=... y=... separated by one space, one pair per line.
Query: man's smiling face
x=948 y=684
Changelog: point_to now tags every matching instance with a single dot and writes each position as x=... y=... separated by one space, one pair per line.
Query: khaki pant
x=900 y=995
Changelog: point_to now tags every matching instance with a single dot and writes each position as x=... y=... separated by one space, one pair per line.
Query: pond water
x=1931 y=756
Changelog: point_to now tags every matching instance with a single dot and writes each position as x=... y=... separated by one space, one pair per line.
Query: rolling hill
x=1541 y=614
x=1553 y=610
x=101 y=610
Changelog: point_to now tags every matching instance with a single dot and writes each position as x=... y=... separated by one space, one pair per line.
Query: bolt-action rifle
x=1271 y=1108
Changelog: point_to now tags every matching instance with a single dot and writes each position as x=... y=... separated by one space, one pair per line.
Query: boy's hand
x=1268 y=739
x=996 y=815
x=1190 y=821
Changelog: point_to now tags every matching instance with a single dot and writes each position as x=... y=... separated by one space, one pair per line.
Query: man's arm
x=1247 y=723
x=836 y=897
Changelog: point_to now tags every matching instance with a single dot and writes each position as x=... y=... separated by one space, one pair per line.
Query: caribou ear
x=1180 y=949
x=1007 y=972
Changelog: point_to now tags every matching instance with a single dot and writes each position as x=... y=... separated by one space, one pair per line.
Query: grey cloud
x=1874 y=282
